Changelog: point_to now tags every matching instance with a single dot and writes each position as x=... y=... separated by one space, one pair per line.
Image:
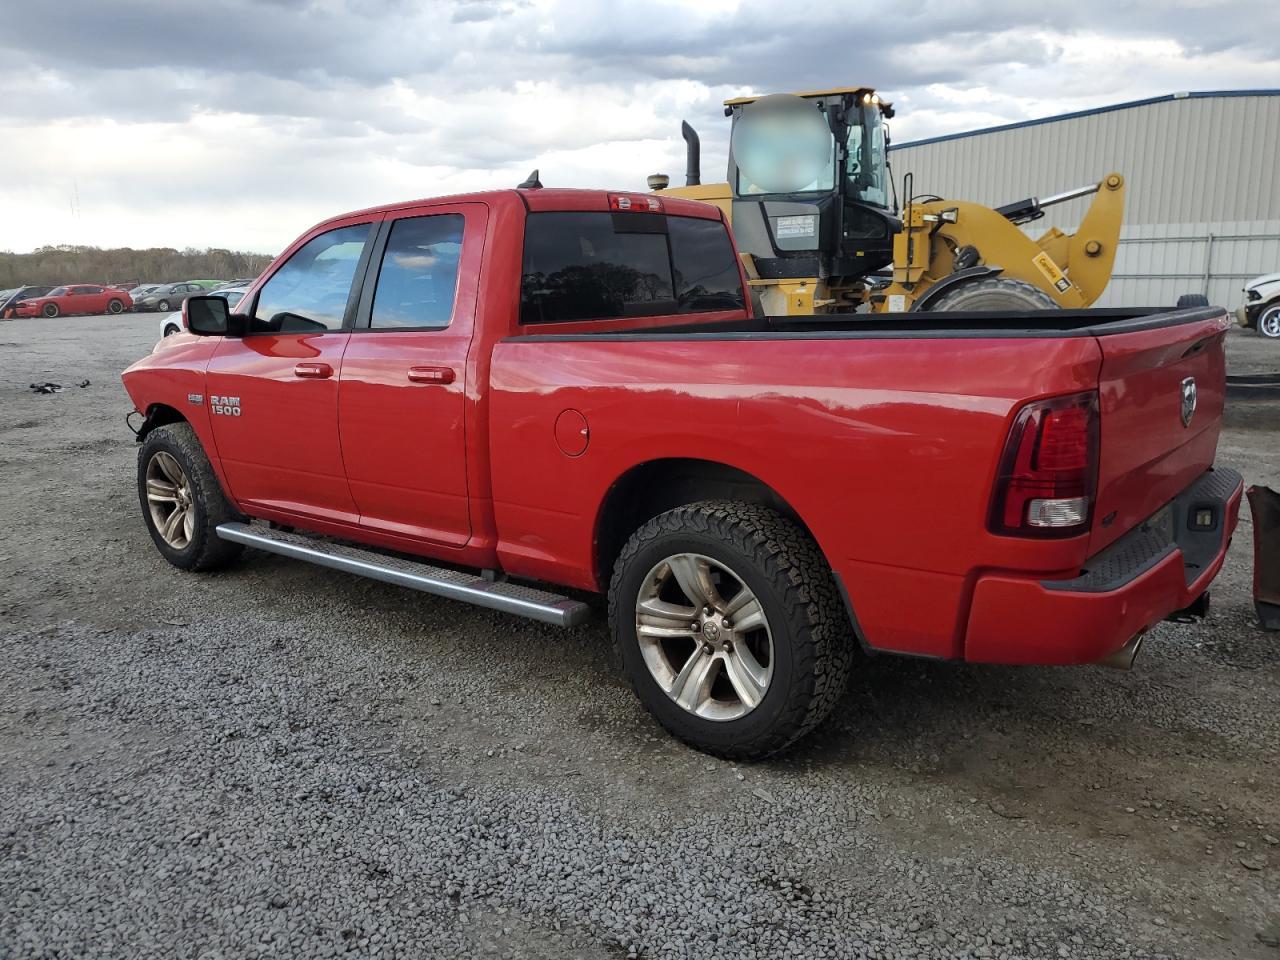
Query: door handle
x=313 y=371
x=431 y=374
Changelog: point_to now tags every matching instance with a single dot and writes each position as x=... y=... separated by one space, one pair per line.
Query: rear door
x=1161 y=391
x=403 y=394
x=95 y=300
x=83 y=299
x=274 y=393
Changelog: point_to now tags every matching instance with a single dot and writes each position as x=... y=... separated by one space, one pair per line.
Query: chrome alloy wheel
x=704 y=637
x=1269 y=324
x=170 y=499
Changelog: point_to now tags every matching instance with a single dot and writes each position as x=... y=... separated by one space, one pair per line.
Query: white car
x=172 y=323
x=1261 y=308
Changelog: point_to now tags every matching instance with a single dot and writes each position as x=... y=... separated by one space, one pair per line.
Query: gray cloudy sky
x=236 y=123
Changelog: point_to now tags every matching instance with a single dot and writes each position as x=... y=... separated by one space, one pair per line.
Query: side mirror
x=208 y=316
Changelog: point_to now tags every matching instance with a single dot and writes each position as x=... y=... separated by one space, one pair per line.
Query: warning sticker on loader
x=1044 y=263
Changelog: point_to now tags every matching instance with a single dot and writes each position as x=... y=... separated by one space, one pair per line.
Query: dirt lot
x=282 y=760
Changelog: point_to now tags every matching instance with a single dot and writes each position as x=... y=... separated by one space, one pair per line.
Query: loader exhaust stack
x=692 y=155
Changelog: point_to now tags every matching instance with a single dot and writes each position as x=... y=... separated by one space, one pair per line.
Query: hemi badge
x=195 y=398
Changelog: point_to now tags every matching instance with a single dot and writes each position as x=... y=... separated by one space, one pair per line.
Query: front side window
x=602 y=266
x=57 y=292
x=309 y=293
x=418 y=278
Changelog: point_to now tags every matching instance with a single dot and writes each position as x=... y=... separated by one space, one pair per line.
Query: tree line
x=65 y=263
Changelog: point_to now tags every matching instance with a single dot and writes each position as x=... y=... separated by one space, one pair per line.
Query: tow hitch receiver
x=1197 y=609
x=1264 y=504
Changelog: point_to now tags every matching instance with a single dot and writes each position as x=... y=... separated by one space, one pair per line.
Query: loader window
x=603 y=266
x=866 y=167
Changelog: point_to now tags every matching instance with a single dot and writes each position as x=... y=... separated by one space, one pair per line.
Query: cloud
x=239 y=123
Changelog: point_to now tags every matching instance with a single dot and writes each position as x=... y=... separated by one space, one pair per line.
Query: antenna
x=531 y=182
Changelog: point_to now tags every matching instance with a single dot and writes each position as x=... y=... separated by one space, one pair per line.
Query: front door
x=404 y=376
x=273 y=394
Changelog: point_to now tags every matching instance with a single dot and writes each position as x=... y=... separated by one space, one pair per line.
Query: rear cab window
x=612 y=265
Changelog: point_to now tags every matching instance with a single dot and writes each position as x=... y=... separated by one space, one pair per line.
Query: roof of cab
x=544 y=199
x=804 y=95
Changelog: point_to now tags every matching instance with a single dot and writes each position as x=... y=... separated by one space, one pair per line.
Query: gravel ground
x=282 y=760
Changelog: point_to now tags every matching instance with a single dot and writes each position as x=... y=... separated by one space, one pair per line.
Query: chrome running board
x=442 y=582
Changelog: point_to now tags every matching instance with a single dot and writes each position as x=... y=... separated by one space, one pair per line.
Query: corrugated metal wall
x=1194 y=166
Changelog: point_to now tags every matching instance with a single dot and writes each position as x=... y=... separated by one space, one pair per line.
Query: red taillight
x=634 y=203
x=1049 y=471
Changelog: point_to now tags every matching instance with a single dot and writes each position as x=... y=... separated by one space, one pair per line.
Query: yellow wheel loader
x=814 y=210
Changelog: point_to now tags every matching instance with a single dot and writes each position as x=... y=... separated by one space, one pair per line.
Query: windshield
x=782 y=144
x=866 y=166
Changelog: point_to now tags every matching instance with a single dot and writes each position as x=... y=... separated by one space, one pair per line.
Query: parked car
x=166 y=296
x=1261 y=307
x=75 y=298
x=173 y=323
x=242 y=282
x=570 y=386
x=9 y=299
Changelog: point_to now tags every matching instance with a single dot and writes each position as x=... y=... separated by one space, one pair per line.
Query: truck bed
x=883 y=434
x=1094 y=322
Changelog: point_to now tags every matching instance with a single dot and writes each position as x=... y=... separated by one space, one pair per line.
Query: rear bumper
x=1156 y=569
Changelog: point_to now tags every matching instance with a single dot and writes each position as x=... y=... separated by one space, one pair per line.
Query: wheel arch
x=159 y=415
x=656 y=486
x=951 y=281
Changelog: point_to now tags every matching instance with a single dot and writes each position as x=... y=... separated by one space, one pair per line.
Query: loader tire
x=994 y=293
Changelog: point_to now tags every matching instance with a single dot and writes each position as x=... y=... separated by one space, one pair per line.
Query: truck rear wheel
x=729 y=627
x=994 y=293
x=182 y=502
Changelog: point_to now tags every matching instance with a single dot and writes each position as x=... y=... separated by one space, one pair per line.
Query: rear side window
x=603 y=266
x=419 y=273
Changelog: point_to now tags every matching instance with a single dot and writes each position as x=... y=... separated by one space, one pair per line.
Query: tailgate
x=1151 y=450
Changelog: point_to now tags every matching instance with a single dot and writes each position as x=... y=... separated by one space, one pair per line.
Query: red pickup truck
x=495 y=396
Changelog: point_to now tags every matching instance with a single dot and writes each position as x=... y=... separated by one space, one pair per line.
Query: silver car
x=172 y=323
x=167 y=296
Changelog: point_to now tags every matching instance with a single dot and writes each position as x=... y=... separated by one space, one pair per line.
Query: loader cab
x=809 y=182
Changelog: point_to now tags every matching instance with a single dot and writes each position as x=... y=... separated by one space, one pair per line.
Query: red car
x=78 y=298
x=559 y=388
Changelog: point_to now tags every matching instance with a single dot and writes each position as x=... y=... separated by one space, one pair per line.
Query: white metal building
x=1202 y=207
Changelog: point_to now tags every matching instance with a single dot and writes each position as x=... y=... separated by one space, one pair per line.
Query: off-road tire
x=813 y=643
x=50 y=310
x=206 y=550
x=115 y=306
x=993 y=293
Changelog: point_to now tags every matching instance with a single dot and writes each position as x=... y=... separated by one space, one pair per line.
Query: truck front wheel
x=730 y=628
x=182 y=501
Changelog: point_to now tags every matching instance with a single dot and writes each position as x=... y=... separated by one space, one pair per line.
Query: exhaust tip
x=1123 y=658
